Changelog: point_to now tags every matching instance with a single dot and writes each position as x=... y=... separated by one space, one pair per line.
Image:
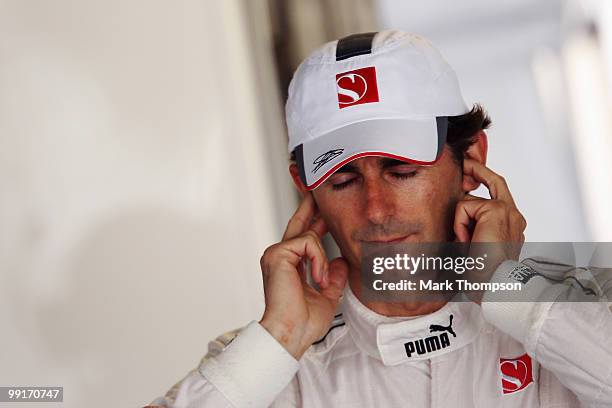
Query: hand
x=296 y=314
x=495 y=220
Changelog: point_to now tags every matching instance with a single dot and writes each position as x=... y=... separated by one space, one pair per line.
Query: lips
x=388 y=240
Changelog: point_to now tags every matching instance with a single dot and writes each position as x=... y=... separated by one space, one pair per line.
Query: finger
x=318 y=269
x=494 y=182
x=309 y=246
x=324 y=271
x=301 y=219
x=319 y=227
x=470 y=197
x=338 y=275
x=301 y=268
x=466 y=214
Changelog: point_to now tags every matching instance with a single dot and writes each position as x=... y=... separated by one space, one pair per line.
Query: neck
x=396 y=309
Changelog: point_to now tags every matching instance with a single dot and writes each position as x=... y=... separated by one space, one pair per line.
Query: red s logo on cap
x=517 y=373
x=357 y=87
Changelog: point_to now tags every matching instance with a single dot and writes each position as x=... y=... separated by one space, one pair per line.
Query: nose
x=379 y=202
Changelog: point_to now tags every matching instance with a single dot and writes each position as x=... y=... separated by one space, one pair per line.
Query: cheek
x=441 y=200
x=428 y=200
x=336 y=213
x=334 y=224
x=421 y=197
x=339 y=216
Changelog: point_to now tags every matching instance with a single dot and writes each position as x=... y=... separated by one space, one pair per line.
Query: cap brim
x=410 y=140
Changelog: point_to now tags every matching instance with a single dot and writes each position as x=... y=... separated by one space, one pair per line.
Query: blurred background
x=143 y=162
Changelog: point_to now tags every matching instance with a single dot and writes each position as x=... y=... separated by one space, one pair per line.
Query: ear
x=297 y=181
x=477 y=151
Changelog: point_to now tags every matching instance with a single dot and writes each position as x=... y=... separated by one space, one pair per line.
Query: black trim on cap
x=355 y=44
x=299 y=160
x=442 y=123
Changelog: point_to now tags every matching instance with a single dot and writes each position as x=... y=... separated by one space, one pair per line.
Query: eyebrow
x=347 y=168
x=385 y=163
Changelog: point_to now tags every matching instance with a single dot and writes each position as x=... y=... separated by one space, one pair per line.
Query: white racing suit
x=501 y=354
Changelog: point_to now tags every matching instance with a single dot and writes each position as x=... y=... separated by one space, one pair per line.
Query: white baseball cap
x=373 y=94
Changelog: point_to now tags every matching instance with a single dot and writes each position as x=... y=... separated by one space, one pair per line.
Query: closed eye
x=346 y=180
x=404 y=175
x=344 y=184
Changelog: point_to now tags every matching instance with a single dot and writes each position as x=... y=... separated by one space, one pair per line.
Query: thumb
x=471 y=197
x=338 y=275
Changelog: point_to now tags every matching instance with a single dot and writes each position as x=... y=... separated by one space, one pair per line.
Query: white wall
x=508 y=56
x=135 y=197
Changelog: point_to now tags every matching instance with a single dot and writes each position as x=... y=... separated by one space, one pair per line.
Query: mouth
x=387 y=240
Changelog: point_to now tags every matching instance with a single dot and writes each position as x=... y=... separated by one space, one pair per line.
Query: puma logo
x=431 y=343
x=439 y=328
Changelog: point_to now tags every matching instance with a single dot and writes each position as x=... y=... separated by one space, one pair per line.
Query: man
x=385 y=151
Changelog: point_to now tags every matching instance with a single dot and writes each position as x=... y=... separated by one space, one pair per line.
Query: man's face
x=377 y=199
